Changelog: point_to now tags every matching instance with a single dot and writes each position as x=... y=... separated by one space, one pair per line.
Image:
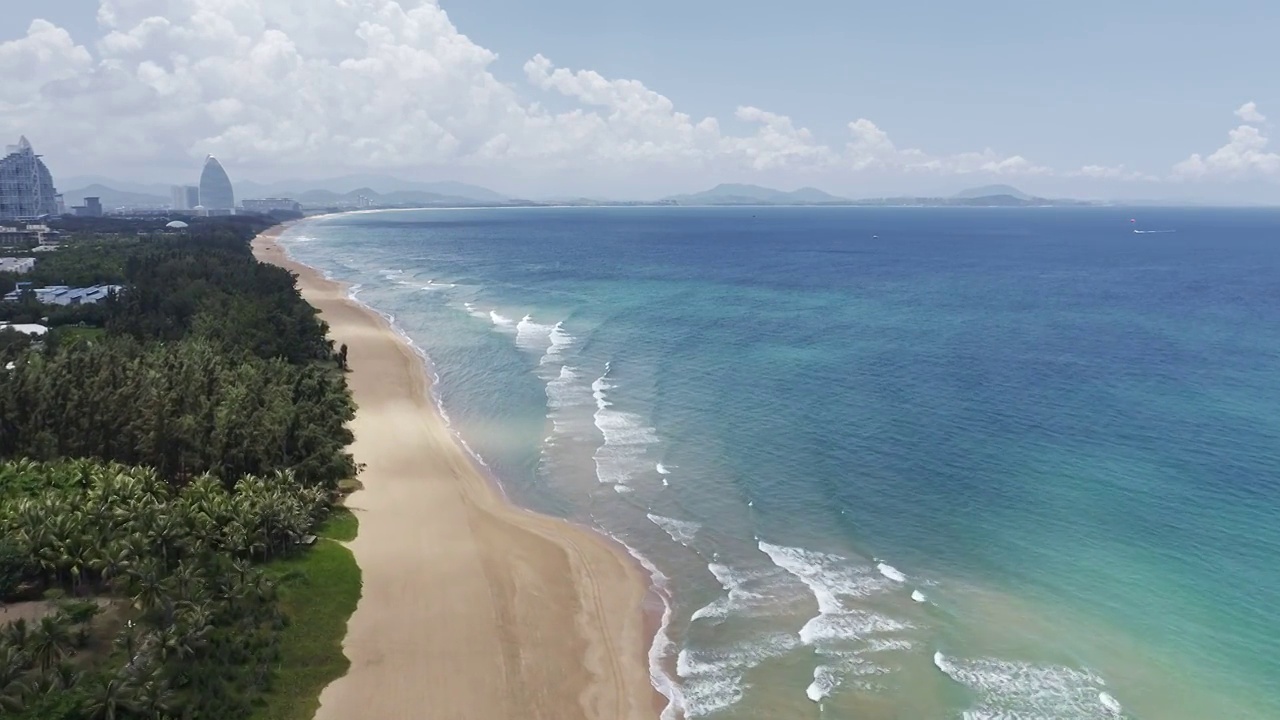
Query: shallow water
x=1017 y=463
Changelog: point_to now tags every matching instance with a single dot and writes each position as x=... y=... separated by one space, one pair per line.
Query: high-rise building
x=26 y=187
x=185 y=197
x=216 y=195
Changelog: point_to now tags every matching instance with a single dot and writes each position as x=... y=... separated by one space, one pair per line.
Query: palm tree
x=17 y=634
x=51 y=641
x=66 y=676
x=110 y=697
x=154 y=696
x=112 y=561
x=13 y=665
x=149 y=587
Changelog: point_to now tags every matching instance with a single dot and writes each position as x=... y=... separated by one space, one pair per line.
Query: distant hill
x=992 y=191
x=84 y=181
x=112 y=198
x=410 y=191
x=736 y=194
x=364 y=184
x=400 y=197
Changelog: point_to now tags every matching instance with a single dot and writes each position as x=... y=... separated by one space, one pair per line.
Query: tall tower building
x=216 y=195
x=26 y=187
x=184 y=197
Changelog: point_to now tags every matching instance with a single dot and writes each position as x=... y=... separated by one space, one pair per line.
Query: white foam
x=841 y=631
x=623 y=489
x=1110 y=703
x=839 y=667
x=663 y=645
x=891 y=572
x=749 y=592
x=826 y=678
x=681 y=531
x=889 y=645
x=560 y=340
x=662 y=469
x=566 y=390
x=852 y=624
x=501 y=321
x=626 y=437
x=827 y=576
x=476 y=313
x=532 y=336
x=1011 y=689
x=918 y=596
x=714 y=678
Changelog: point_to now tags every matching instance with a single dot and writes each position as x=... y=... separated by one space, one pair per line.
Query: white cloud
x=327 y=86
x=1248 y=112
x=1244 y=155
x=871 y=148
x=46 y=54
x=1112 y=172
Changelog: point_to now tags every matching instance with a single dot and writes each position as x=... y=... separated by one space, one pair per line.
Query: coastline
x=472 y=607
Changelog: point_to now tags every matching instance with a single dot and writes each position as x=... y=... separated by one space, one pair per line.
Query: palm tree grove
x=173 y=460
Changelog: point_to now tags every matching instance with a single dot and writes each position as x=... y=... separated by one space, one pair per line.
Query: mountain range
x=731 y=194
x=735 y=194
x=386 y=191
x=381 y=189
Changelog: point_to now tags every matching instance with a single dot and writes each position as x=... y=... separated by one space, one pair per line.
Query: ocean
x=881 y=462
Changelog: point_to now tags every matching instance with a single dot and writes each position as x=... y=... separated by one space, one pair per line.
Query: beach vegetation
x=167 y=459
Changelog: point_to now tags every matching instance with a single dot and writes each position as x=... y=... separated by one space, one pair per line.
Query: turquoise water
x=883 y=463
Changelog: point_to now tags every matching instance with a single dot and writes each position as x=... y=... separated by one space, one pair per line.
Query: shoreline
x=472 y=606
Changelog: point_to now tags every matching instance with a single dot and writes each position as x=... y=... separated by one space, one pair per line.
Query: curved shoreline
x=472 y=607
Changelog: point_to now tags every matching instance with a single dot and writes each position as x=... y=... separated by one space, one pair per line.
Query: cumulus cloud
x=1248 y=112
x=1244 y=155
x=45 y=55
x=325 y=85
x=871 y=148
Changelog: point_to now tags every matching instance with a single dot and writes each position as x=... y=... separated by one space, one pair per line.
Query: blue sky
x=1135 y=88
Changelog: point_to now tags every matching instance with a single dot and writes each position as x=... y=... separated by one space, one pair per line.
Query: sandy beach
x=471 y=607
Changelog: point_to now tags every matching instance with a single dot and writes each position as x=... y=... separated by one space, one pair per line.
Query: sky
x=1133 y=100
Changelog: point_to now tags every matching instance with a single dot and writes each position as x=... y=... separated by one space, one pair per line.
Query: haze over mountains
x=387 y=191
x=381 y=189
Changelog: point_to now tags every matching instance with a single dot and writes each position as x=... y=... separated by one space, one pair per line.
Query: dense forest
x=158 y=449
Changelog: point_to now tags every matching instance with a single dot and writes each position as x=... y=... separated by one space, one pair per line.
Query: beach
x=471 y=606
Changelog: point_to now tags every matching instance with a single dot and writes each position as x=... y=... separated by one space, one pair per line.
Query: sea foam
x=891 y=572
x=681 y=531
x=841 y=629
x=1005 y=688
x=714 y=678
x=500 y=321
x=626 y=437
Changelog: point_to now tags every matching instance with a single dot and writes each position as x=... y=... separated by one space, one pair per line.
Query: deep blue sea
x=883 y=463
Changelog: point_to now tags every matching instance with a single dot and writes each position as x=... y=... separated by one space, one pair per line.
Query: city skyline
x=1089 y=103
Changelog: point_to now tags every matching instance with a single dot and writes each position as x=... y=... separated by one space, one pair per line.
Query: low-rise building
x=266 y=205
x=63 y=295
x=24 y=328
x=92 y=208
x=26 y=235
x=18 y=265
